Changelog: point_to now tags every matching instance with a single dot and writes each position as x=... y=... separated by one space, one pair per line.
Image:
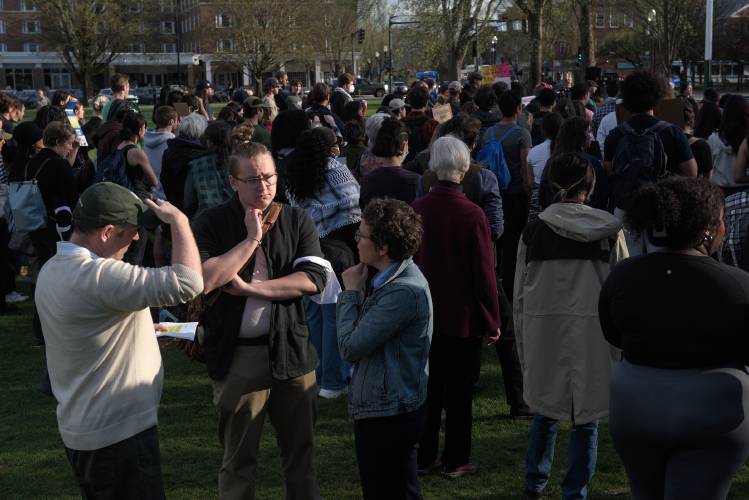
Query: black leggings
x=680 y=433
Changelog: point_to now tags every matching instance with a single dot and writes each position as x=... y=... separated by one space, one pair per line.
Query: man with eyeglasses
x=256 y=342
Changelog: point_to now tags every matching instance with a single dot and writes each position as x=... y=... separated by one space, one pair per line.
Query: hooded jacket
x=175 y=167
x=563 y=259
x=154 y=145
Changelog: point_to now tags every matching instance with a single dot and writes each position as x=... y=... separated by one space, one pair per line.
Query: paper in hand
x=184 y=331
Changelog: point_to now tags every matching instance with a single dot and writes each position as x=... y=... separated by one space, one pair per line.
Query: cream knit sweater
x=102 y=355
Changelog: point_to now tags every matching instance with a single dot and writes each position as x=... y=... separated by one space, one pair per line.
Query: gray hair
x=192 y=126
x=449 y=158
x=372 y=126
x=99 y=103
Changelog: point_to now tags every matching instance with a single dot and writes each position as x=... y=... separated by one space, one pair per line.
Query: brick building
x=184 y=43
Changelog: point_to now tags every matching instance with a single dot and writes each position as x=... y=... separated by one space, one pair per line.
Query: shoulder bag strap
x=26 y=169
x=507 y=134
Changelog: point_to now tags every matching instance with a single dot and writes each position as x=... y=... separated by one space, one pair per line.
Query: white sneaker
x=15 y=297
x=329 y=394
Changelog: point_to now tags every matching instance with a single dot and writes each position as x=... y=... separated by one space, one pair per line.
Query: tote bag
x=27 y=204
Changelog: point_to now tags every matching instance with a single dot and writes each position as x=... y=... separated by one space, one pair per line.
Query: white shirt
x=608 y=123
x=256 y=315
x=537 y=158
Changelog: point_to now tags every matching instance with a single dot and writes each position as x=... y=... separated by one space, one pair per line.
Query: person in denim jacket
x=386 y=333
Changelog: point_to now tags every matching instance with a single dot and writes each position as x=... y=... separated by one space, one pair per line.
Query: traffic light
x=360 y=35
x=579 y=55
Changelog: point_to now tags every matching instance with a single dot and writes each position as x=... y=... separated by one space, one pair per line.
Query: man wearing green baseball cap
x=103 y=359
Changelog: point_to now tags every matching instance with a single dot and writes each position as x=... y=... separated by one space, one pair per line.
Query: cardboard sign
x=442 y=113
x=182 y=109
x=670 y=110
x=77 y=126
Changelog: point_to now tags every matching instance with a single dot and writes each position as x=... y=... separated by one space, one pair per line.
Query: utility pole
x=709 y=44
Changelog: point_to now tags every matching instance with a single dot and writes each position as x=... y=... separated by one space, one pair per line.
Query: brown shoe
x=464 y=470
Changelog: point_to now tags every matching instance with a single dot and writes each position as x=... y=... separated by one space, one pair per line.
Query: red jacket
x=456 y=257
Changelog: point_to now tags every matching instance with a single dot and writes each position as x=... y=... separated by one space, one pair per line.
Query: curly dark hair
x=305 y=173
x=676 y=211
x=395 y=224
x=287 y=127
x=485 y=98
x=640 y=92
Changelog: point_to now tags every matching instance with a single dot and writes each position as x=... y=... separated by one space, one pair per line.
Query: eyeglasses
x=268 y=180
x=358 y=236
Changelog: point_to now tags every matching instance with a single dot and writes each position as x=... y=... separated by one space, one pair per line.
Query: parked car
x=146 y=95
x=400 y=88
x=130 y=97
x=365 y=87
x=221 y=93
x=27 y=97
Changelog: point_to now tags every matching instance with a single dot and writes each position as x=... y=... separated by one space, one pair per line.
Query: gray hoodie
x=154 y=145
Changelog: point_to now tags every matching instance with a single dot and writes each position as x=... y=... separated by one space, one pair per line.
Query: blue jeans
x=581 y=457
x=331 y=372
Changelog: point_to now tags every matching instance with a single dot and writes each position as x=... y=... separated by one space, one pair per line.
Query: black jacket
x=58 y=187
x=174 y=167
x=218 y=230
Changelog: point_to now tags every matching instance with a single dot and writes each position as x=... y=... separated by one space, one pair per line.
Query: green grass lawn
x=33 y=463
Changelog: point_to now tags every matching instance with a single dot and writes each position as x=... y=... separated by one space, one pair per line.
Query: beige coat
x=566 y=361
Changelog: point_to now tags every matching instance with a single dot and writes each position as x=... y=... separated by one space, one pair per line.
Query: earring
x=708 y=238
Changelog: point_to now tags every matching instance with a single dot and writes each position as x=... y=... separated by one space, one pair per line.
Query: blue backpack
x=112 y=168
x=493 y=156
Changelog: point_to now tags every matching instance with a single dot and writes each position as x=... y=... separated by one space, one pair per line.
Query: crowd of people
x=600 y=249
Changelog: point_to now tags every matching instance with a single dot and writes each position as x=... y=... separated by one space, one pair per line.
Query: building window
x=517 y=26
x=169 y=47
x=613 y=20
x=31 y=27
x=2 y=25
x=3 y=47
x=31 y=47
x=28 y=5
x=136 y=48
x=502 y=26
x=167 y=5
x=600 y=20
x=135 y=8
x=628 y=21
x=224 y=21
x=167 y=27
x=224 y=45
x=57 y=78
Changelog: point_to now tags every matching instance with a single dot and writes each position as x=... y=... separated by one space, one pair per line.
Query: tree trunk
x=454 y=63
x=587 y=39
x=85 y=80
x=535 y=23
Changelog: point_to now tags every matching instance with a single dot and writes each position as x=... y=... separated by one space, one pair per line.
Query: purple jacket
x=456 y=257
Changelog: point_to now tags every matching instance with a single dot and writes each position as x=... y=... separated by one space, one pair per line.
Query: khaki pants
x=242 y=400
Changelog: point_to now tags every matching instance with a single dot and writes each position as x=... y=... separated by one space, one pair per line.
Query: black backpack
x=113 y=168
x=640 y=158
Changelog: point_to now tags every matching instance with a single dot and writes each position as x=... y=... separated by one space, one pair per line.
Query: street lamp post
x=494 y=49
x=651 y=21
x=709 y=44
